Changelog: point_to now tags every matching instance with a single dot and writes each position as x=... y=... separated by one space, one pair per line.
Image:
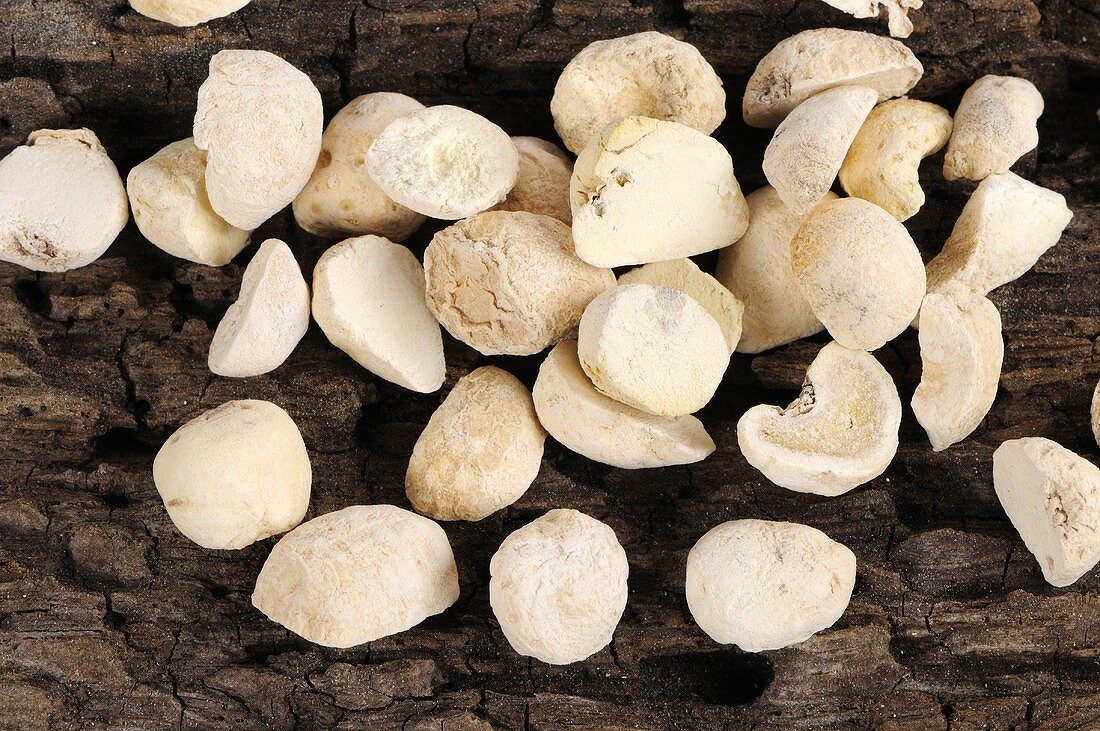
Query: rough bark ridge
x=110 y=618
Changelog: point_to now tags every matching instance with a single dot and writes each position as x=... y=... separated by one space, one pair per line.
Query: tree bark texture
x=109 y=618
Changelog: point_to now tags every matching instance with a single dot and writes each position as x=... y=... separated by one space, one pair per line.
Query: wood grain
x=109 y=618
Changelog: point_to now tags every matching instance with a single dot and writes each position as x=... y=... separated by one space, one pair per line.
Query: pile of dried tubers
x=526 y=268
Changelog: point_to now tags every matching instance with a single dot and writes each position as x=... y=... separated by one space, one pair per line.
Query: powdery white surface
x=808 y=148
x=860 y=271
x=646 y=190
x=764 y=585
x=841 y=432
x=961 y=353
x=168 y=196
x=646 y=74
x=994 y=127
x=260 y=121
x=509 y=282
x=897 y=12
x=341 y=198
x=357 y=575
x=368 y=298
x=444 y=162
x=882 y=163
x=261 y=329
x=481 y=450
x=187 y=12
x=605 y=430
x=234 y=475
x=543 y=182
x=61 y=201
x=686 y=276
x=757 y=270
x=815 y=60
x=1005 y=227
x=1052 y=497
x=558 y=587
x=653 y=348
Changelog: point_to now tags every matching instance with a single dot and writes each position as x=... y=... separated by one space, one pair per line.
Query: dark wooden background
x=109 y=618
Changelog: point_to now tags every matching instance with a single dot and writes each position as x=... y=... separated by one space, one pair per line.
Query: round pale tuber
x=645 y=74
x=653 y=348
x=757 y=270
x=509 y=282
x=646 y=190
x=765 y=585
x=61 y=201
x=481 y=450
x=605 y=430
x=808 y=148
x=234 y=475
x=543 y=182
x=444 y=162
x=558 y=587
x=860 y=271
x=260 y=121
x=358 y=575
x=368 y=298
x=961 y=352
x=994 y=127
x=171 y=208
x=812 y=61
x=341 y=198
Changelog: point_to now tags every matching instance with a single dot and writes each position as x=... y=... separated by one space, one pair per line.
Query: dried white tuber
x=186 y=13
x=757 y=270
x=444 y=162
x=994 y=127
x=645 y=74
x=897 y=12
x=961 y=352
x=260 y=121
x=543 y=182
x=764 y=585
x=341 y=198
x=61 y=201
x=509 y=282
x=883 y=161
x=841 y=432
x=171 y=209
x=481 y=450
x=605 y=430
x=358 y=575
x=1005 y=227
x=558 y=587
x=815 y=60
x=261 y=329
x=646 y=190
x=686 y=276
x=809 y=146
x=368 y=298
x=234 y=475
x=1052 y=497
x=653 y=348
x=860 y=271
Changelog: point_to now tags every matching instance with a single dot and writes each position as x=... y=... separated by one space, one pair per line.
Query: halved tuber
x=961 y=352
x=1052 y=497
x=841 y=432
x=882 y=163
x=604 y=430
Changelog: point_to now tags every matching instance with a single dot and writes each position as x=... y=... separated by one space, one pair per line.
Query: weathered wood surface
x=110 y=619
